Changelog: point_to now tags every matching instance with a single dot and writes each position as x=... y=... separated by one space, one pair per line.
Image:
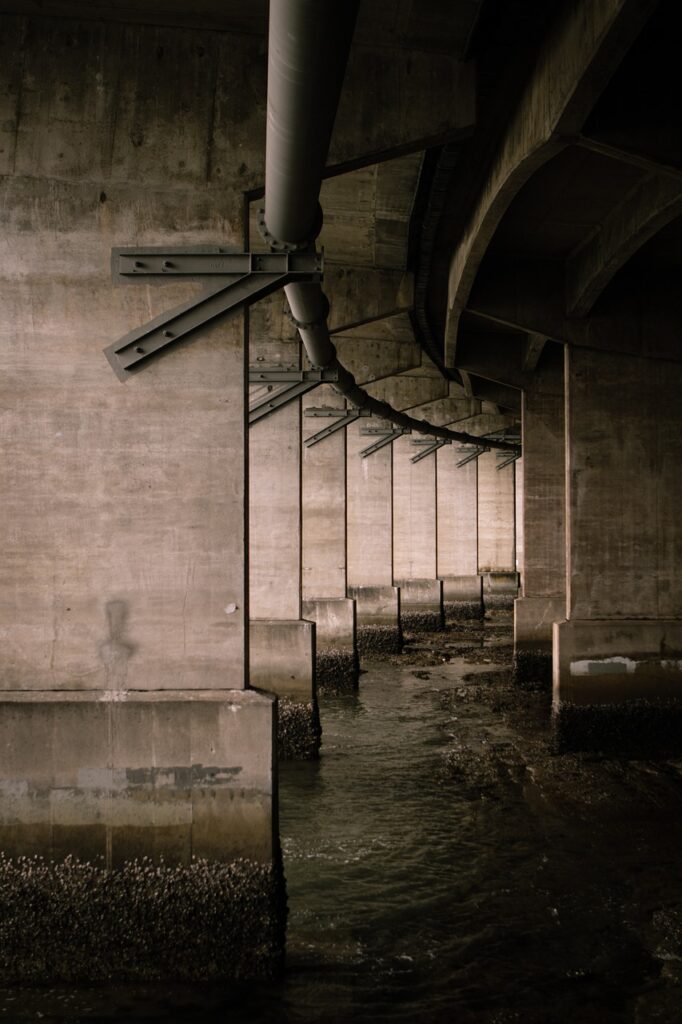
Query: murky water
x=443 y=865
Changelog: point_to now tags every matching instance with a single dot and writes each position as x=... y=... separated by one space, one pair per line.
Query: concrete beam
x=405 y=102
x=574 y=65
x=652 y=204
x=627 y=156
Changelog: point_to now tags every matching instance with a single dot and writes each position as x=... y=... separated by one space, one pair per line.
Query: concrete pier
x=370 y=545
x=282 y=645
x=128 y=730
x=543 y=599
x=457 y=525
x=618 y=657
x=324 y=577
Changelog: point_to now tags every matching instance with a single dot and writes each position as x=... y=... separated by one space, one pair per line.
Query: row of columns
x=347 y=552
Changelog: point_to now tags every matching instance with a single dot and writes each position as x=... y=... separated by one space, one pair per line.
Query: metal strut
x=433 y=446
x=389 y=436
x=470 y=458
x=299 y=382
x=237 y=279
x=346 y=418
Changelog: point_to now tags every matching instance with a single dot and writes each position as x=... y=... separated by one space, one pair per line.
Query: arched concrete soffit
x=573 y=67
x=651 y=205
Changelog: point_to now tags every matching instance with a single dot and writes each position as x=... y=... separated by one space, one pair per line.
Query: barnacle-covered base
x=75 y=920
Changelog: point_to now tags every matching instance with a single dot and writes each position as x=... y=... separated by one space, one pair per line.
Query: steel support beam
x=433 y=446
x=260 y=275
x=389 y=436
x=346 y=419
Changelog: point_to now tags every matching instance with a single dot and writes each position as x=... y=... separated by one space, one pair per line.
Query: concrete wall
x=123 y=530
x=370 y=512
x=324 y=503
x=414 y=513
x=457 y=514
x=123 y=601
x=496 y=516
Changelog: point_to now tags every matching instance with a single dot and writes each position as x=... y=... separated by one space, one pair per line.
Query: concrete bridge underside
x=194 y=557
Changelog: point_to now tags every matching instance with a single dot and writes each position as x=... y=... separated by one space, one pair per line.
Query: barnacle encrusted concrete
x=76 y=921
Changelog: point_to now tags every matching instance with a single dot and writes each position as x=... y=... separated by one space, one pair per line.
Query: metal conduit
x=308 y=46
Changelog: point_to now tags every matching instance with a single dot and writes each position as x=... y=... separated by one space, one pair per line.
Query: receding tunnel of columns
x=379 y=481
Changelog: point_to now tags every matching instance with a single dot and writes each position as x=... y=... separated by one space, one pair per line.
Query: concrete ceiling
x=438 y=26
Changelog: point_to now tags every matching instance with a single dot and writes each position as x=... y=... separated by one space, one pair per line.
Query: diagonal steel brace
x=238 y=279
x=347 y=417
x=389 y=437
x=430 y=450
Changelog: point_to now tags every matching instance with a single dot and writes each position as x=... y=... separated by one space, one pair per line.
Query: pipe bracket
x=277 y=245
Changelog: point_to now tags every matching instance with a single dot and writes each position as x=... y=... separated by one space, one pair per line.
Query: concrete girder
x=628 y=156
x=641 y=315
x=575 y=64
x=405 y=392
x=495 y=356
x=652 y=204
x=405 y=102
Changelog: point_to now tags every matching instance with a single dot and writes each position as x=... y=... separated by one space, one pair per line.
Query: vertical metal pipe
x=308 y=45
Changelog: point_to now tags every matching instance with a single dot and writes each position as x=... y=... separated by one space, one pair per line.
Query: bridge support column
x=496 y=533
x=369 y=484
x=414 y=539
x=282 y=644
x=457 y=527
x=543 y=599
x=325 y=599
x=618 y=656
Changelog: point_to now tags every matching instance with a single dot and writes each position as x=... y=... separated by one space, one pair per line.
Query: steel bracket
x=237 y=279
x=347 y=416
x=386 y=437
x=431 y=446
x=507 y=461
x=471 y=456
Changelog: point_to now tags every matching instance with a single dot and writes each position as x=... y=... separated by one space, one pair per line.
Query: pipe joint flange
x=306 y=325
x=277 y=245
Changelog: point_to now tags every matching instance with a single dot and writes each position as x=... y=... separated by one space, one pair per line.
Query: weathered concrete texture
x=462 y=597
x=618 y=684
x=337 y=657
x=421 y=605
x=370 y=513
x=500 y=590
x=624 y=488
x=76 y=921
x=607 y=661
x=533 y=621
x=496 y=516
x=282 y=661
x=112 y=578
x=323 y=509
x=282 y=657
x=275 y=515
x=378 y=620
x=414 y=513
x=457 y=514
x=121 y=776
x=299 y=732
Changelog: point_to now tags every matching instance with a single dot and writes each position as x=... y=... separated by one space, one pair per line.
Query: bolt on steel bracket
x=236 y=279
x=299 y=382
x=387 y=437
x=347 y=416
x=431 y=446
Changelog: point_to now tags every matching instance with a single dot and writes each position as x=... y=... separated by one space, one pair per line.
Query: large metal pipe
x=308 y=46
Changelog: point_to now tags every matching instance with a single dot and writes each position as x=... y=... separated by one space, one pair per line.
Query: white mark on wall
x=621 y=665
